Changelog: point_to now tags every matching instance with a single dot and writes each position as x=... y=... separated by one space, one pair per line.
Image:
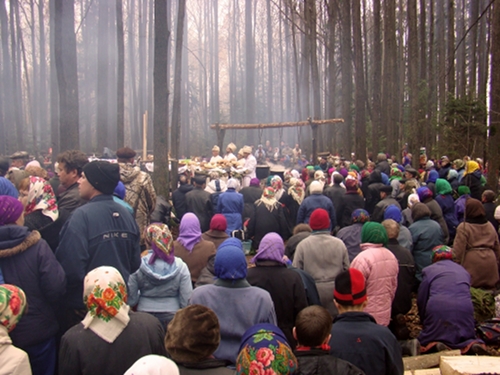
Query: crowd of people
x=95 y=280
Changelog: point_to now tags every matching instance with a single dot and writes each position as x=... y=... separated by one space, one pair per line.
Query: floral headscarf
x=159 y=237
x=268 y=199
x=189 y=231
x=41 y=197
x=105 y=296
x=360 y=216
x=264 y=350
x=442 y=252
x=277 y=185
x=12 y=305
x=296 y=190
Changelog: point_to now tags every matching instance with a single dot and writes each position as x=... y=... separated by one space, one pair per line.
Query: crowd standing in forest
x=98 y=275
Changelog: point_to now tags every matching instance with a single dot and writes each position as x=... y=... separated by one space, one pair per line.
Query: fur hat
x=102 y=175
x=350 y=288
x=319 y=219
x=125 y=153
x=193 y=335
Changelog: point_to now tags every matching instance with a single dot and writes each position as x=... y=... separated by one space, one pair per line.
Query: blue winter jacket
x=447 y=205
x=231 y=204
x=99 y=233
x=311 y=203
x=160 y=287
x=27 y=261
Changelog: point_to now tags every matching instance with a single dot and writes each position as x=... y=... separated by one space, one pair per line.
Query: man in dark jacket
x=69 y=170
x=382 y=164
x=314 y=201
x=336 y=193
x=406 y=279
x=179 y=195
x=250 y=194
x=373 y=192
x=312 y=332
x=355 y=336
x=385 y=201
x=199 y=202
x=102 y=232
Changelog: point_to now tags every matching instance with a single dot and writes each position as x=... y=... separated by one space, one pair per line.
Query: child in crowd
x=312 y=332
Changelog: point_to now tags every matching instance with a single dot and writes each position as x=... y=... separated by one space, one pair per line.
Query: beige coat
x=477 y=249
x=13 y=361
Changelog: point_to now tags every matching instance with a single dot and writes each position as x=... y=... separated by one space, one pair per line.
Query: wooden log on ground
x=426 y=361
x=470 y=365
x=429 y=371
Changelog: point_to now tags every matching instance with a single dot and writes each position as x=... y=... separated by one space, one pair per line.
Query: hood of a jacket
x=12 y=235
x=212 y=188
x=128 y=172
x=160 y=271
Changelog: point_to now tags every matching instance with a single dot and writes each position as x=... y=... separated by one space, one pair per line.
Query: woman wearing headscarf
x=380 y=268
x=111 y=337
x=407 y=219
x=153 y=365
x=296 y=195
x=231 y=204
x=40 y=209
x=28 y=262
x=162 y=284
x=472 y=179
x=12 y=306
x=426 y=234
x=452 y=178
x=463 y=195
x=445 y=306
x=476 y=246
x=217 y=232
x=445 y=200
x=351 y=201
x=284 y=285
x=268 y=217
x=431 y=181
x=426 y=196
x=8 y=188
x=190 y=247
x=264 y=349
x=237 y=304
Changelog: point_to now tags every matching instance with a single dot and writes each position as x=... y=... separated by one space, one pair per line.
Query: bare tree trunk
x=345 y=22
x=360 y=124
x=120 y=87
x=415 y=130
x=461 y=53
x=377 y=78
x=249 y=69
x=432 y=98
x=473 y=15
x=161 y=136
x=494 y=141
x=42 y=79
x=331 y=102
x=451 y=49
x=270 y=77
x=67 y=77
x=7 y=84
x=16 y=79
x=441 y=51
x=54 y=89
x=176 y=108
x=102 y=76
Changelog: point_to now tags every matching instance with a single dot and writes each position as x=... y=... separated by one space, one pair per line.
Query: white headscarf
x=105 y=296
x=153 y=365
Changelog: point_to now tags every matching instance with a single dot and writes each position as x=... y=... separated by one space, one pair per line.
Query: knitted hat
x=343 y=172
x=10 y=209
x=316 y=187
x=424 y=193
x=255 y=182
x=360 y=216
x=218 y=222
x=153 y=364
x=350 y=288
x=442 y=252
x=102 y=175
x=462 y=190
x=120 y=190
x=265 y=350
x=161 y=240
x=374 y=233
x=386 y=189
x=319 y=219
x=125 y=153
x=193 y=334
x=230 y=261
x=394 y=213
x=12 y=305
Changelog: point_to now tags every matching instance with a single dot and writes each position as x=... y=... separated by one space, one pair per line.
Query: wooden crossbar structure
x=221 y=129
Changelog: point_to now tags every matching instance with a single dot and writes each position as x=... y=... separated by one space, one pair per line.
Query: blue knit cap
x=120 y=190
x=385 y=179
x=230 y=261
x=393 y=212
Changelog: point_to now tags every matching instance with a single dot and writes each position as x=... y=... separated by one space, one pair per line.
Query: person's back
x=199 y=202
x=230 y=204
x=179 y=196
x=314 y=201
x=355 y=335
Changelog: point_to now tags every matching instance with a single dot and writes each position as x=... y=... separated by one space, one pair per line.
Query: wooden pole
x=314 y=128
x=145 y=136
x=276 y=124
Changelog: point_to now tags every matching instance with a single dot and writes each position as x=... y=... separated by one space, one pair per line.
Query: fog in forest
x=402 y=74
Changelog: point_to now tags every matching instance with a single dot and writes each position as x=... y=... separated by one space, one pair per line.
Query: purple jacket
x=447 y=205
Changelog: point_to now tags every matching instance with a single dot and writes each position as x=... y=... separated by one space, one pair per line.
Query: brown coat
x=215 y=236
x=197 y=259
x=477 y=249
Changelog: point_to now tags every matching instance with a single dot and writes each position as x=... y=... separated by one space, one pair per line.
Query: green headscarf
x=462 y=190
x=443 y=187
x=373 y=232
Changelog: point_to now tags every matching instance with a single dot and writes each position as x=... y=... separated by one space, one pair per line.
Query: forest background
x=401 y=73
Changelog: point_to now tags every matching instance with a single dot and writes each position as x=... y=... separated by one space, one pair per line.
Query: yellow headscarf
x=470 y=167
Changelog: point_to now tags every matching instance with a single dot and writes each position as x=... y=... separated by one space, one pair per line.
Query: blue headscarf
x=8 y=188
x=230 y=261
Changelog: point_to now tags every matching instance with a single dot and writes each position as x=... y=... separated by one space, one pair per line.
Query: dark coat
x=197 y=258
x=310 y=286
x=384 y=167
x=292 y=243
x=215 y=236
x=447 y=205
x=291 y=207
x=378 y=212
x=443 y=171
x=350 y=202
x=406 y=278
x=209 y=366
x=198 y=202
x=250 y=195
x=373 y=191
x=286 y=289
x=336 y=193
x=49 y=230
x=316 y=361
x=316 y=201
x=473 y=181
x=70 y=199
x=179 y=199
x=162 y=211
x=82 y=352
x=489 y=209
x=264 y=221
x=28 y=262
x=437 y=216
x=358 y=339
